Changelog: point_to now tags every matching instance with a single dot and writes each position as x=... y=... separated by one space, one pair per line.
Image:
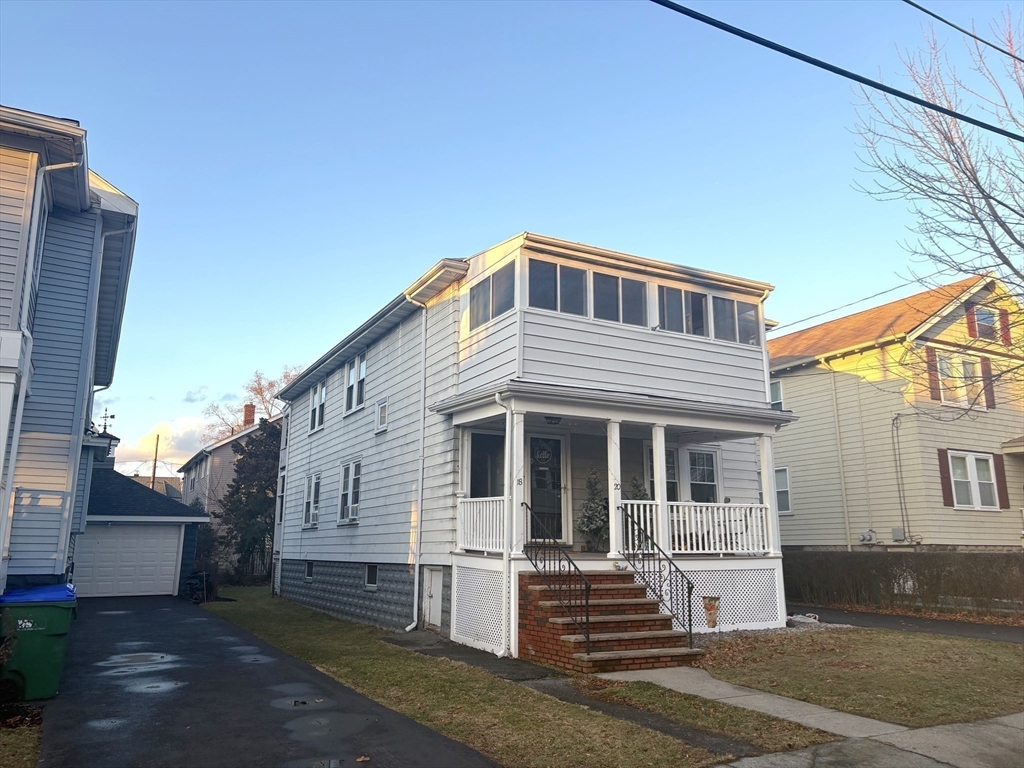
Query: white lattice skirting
x=749 y=598
x=477 y=607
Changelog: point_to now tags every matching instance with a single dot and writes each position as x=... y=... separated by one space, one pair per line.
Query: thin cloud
x=180 y=439
x=196 y=395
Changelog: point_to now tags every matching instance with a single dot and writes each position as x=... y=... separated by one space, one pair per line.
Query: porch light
x=553 y=419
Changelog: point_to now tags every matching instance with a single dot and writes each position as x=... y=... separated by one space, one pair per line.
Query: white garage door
x=127 y=559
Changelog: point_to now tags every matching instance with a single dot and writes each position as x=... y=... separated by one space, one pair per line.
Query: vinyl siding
x=48 y=447
x=16 y=180
x=570 y=350
x=490 y=354
x=81 y=492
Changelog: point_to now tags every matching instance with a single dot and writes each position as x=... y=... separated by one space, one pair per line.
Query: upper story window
x=735 y=321
x=492 y=297
x=355 y=390
x=317 y=405
x=382 y=414
x=985 y=320
x=351 y=478
x=775 y=388
x=620 y=299
x=558 y=287
x=960 y=381
x=974 y=483
x=311 y=501
x=682 y=311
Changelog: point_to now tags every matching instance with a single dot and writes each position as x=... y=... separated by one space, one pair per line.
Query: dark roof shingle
x=115 y=494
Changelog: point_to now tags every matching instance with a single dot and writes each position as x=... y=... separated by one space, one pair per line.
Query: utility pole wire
x=682 y=9
x=962 y=30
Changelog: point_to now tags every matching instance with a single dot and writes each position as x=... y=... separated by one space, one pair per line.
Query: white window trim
x=366 y=577
x=994 y=325
x=307 y=574
x=684 y=479
x=282 y=481
x=788 y=489
x=317 y=397
x=515 y=298
x=360 y=371
x=309 y=493
x=963 y=400
x=972 y=475
x=672 y=448
x=348 y=518
x=387 y=415
x=782 y=395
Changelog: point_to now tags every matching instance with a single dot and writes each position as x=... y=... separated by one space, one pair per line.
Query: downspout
x=5 y=545
x=422 y=467
x=839 y=451
x=506 y=559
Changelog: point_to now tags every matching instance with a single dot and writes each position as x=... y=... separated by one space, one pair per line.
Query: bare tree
x=965 y=188
x=224 y=419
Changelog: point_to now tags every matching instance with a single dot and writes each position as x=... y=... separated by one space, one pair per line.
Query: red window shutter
x=986 y=383
x=1001 y=490
x=1004 y=326
x=933 y=373
x=972 y=321
x=945 y=479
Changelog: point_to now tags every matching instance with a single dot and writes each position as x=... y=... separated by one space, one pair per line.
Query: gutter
x=422 y=469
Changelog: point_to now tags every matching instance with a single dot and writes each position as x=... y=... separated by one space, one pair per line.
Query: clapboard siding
x=565 y=349
x=49 y=448
x=81 y=487
x=489 y=356
x=16 y=169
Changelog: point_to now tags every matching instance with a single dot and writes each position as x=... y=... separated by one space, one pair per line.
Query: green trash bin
x=34 y=626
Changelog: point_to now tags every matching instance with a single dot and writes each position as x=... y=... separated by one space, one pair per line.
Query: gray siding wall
x=16 y=181
x=49 y=447
x=339 y=589
x=81 y=492
x=570 y=350
x=489 y=355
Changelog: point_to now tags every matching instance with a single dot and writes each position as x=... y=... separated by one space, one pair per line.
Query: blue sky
x=298 y=164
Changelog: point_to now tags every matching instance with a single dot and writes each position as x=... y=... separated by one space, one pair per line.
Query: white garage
x=114 y=558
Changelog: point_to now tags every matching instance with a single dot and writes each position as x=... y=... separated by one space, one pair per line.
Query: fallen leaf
x=318 y=701
x=363 y=759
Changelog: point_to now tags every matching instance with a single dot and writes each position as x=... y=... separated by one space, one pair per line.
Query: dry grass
x=769 y=734
x=509 y=723
x=907 y=678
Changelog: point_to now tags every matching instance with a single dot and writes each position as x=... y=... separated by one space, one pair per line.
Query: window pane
x=606 y=297
x=670 y=308
x=572 y=285
x=725 y=318
x=986 y=322
x=987 y=492
x=356 y=480
x=782 y=479
x=959 y=464
x=782 y=500
x=479 y=304
x=984 y=469
x=962 y=493
x=486 y=465
x=776 y=395
x=504 y=290
x=634 y=302
x=747 y=316
x=696 y=313
x=949 y=379
x=543 y=281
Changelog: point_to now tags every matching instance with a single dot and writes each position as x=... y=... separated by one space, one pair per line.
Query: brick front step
x=597 y=591
x=627 y=641
x=653 y=658
x=594 y=577
x=637 y=622
x=630 y=606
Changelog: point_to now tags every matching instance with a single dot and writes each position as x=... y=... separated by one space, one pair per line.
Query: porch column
x=764 y=444
x=518 y=479
x=661 y=534
x=614 y=492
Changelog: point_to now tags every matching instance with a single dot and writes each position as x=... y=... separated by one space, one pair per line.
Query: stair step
x=613 y=618
x=597 y=637
x=601 y=603
x=646 y=653
x=542 y=587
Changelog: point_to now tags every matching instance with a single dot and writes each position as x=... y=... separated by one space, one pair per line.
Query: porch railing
x=719 y=529
x=655 y=569
x=639 y=516
x=480 y=524
x=561 y=575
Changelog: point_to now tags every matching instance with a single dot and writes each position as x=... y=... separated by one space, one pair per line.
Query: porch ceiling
x=576 y=405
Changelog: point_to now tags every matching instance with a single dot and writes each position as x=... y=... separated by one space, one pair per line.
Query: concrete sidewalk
x=996 y=743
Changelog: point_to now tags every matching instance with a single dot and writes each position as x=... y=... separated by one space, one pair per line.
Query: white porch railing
x=720 y=529
x=480 y=524
x=646 y=514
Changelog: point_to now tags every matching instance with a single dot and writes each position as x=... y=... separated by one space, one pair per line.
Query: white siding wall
x=16 y=180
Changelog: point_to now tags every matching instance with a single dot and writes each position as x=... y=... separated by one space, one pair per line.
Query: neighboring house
x=910 y=422
x=206 y=476
x=137 y=541
x=424 y=450
x=66 y=243
x=168 y=486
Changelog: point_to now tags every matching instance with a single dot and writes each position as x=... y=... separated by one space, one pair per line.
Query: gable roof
x=206 y=449
x=115 y=495
x=897 y=318
x=168 y=486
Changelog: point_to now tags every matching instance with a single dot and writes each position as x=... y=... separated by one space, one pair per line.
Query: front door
x=546 y=487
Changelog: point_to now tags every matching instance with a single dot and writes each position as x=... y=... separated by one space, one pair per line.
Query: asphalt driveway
x=155 y=681
x=998 y=632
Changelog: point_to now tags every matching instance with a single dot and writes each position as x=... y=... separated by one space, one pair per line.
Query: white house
x=433 y=462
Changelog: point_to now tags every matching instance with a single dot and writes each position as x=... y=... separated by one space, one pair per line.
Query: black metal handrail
x=561 y=574
x=659 y=573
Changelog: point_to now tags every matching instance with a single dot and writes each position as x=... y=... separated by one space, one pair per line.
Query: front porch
x=677 y=486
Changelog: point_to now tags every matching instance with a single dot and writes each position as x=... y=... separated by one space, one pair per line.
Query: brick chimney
x=248 y=415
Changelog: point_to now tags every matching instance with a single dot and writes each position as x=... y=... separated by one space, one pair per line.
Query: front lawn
x=19 y=735
x=908 y=678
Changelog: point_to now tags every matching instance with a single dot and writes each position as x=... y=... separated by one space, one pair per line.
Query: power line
x=682 y=9
x=949 y=23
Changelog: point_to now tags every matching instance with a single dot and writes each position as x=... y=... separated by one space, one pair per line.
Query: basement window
x=309 y=570
x=370 y=577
